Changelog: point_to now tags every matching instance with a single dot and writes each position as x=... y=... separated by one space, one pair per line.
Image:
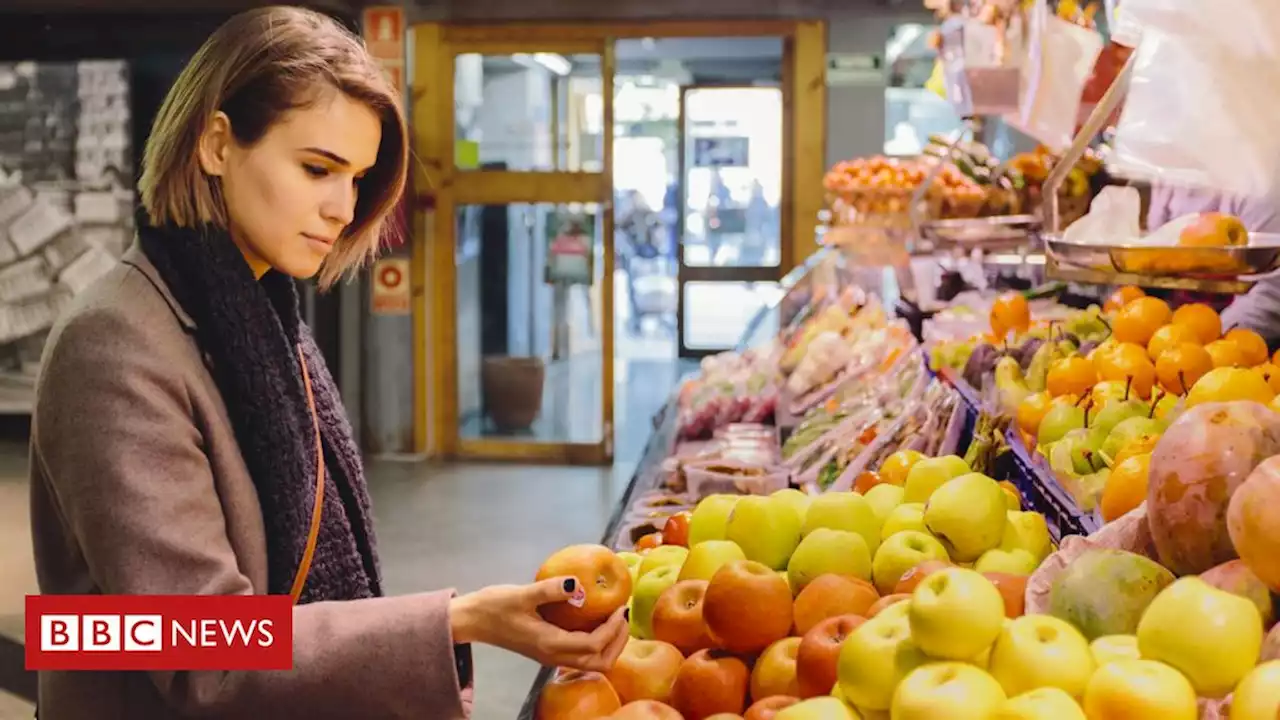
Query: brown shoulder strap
x=304 y=567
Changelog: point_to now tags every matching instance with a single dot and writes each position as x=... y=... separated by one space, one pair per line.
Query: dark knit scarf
x=249 y=331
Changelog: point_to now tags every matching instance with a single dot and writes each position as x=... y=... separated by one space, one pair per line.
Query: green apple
x=1036 y=651
x=1027 y=531
x=707 y=557
x=710 y=518
x=819 y=708
x=1061 y=419
x=968 y=515
x=1012 y=562
x=844 y=511
x=1211 y=636
x=929 y=475
x=662 y=556
x=899 y=553
x=883 y=498
x=1047 y=703
x=955 y=614
x=1110 y=648
x=798 y=500
x=766 y=529
x=1114 y=413
x=952 y=690
x=874 y=659
x=1126 y=431
x=1258 y=695
x=908 y=516
x=828 y=551
x=644 y=596
x=633 y=564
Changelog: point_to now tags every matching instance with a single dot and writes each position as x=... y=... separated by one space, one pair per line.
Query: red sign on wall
x=384 y=30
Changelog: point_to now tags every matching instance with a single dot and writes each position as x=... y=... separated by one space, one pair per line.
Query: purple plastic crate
x=1039 y=487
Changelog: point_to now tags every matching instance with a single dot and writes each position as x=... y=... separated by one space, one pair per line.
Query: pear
x=1010 y=385
x=1128 y=430
x=1061 y=419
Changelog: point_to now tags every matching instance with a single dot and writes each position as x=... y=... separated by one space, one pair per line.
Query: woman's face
x=290 y=195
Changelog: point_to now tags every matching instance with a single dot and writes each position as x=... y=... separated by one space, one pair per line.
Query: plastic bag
x=1114 y=218
x=1202 y=106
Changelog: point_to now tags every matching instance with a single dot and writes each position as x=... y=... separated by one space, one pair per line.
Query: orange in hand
x=1071 y=376
x=1253 y=349
x=1010 y=312
x=1200 y=319
x=1178 y=368
x=1138 y=321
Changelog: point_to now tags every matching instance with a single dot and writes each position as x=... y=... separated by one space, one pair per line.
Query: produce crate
x=1040 y=488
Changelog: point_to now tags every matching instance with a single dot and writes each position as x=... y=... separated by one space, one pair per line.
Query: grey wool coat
x=138 y=486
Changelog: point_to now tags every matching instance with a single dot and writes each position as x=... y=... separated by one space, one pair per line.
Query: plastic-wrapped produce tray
x=1036 y=482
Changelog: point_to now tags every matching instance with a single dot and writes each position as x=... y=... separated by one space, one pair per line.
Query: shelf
x=1056 y=271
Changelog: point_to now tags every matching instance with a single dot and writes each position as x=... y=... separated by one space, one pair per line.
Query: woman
x=184 y=417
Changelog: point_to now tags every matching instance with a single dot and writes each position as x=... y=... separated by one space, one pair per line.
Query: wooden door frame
x=439 y=187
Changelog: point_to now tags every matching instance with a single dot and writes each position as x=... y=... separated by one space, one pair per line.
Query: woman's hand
x=506 y=616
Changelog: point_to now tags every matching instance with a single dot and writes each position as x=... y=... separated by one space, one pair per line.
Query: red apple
x=601 y=574
x=646 y=710
x=574 y=694
x=645 y=670
x=831 y=596
x=885 y=602
x=676 y=530
x=747 y=607
x=1013 y=588
x=769 y=707
x=775 y=670
x=677 y=617
x=911 y=578
x=710 y=682
x=819 y=654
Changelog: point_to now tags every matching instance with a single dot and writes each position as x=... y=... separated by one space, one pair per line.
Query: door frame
x=439 y=188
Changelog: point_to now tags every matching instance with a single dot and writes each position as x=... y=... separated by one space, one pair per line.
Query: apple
x=1013 y=588
x=912 y=578
x=775 y=670
x=875 y=659
x=766 y=529
x=1234 y=576
x=968 y=515
x=930 y=474
x=1211 y=636
x=747 y=607
x=707 y=557
x=952 y=690
x=1258 y=695
x=645 y=670
x=1046 y=703
x=710 y=682
x=830 y=596
x=827 y=708
x=648 y=590
x=677 y=617
x=885 y=603
x=895 y=468
x=883 y=499
x=663 y=556
x=769 y=707
x=1010 y=562
x=1139 y=690
x=907 y=516
x=646 y=710
x=798 y=500
x=633 y=564
x=1270 y=645
x=824 y=551
x=1110 y=648
x=1036 y=651
x=1027 y=531
x=819 y=654
x=710 y=519
x=899 y=553
x=844 y=511
x=956 y=614
x=573 y=694
x=600 y=573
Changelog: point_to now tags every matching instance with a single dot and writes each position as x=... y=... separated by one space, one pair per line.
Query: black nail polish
x=626 y=615
x=569 y=585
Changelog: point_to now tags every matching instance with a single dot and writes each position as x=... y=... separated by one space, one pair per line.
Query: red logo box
x=159 y=632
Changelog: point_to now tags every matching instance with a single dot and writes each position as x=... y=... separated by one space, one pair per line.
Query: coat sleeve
x=117 y=440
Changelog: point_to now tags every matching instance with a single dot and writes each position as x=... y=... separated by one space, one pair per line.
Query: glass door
x=731 y=239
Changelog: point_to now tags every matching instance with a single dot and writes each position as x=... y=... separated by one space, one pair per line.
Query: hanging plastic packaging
x=1202 y=104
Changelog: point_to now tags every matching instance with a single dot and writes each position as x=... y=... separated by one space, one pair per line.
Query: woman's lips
x=320 y=239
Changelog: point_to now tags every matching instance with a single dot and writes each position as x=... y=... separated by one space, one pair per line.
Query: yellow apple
x=1038 y=651
x=662 y=556
x=819 y=708
x=951 y=690
x=929 y=474
x=899 y=553
x=1046 y=703
x=1211 y=636
x=968 y=515
x=710 y=518
x=955 y=614
x=1258 y=695
x=883 y=498
x=798 y=500
x=907 y=516
x=1027 y=531
x=828 y=551
x=1139 y=690
x=1110 y=648
x=844 y=511
x=707 y=557
x=874 y=659
x=644 y=597
x=1012 y=562
x=766 y=529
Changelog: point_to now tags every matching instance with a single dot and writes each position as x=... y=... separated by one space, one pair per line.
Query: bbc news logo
x=159 y=632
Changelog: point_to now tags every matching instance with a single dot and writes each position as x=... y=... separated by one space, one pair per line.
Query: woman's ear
x=214 y=144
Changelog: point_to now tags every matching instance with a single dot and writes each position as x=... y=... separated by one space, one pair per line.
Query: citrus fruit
x=1140 y=319
x=1225 y=353
x=1071 y=376
x=1179 y=367
x=1121 y=297
x=1226 y=384
x=894 y=469
x=1032 y=410
x=1010 y=312
x=1125 y=365
x=1270 y=373
x=1142 y=445
x=1253 y=349
x=1169 y=336
x=1200 y=319
x=1126 y=487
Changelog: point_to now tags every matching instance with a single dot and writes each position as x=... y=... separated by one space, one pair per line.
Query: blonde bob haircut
x=256 y=67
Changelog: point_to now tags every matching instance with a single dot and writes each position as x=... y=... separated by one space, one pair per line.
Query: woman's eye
x=315 y=170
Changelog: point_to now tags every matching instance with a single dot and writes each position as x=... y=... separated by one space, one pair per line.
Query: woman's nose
x=340 y=206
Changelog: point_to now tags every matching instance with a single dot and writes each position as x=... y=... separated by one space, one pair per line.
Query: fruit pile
x=755 y=605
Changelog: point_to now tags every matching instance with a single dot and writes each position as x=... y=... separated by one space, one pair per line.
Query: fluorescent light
x=553 y=62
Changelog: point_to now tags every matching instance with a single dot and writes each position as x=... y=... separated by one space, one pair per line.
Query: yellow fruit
x=1200 y=319
x=1010 y=312
x=1138 y=321
x=1225 y=354
x=1127 y=365
x=1270 y=373
x=1071 y=376
x=1030 y=412
x=1253 y=349
x=1142 y=445
x=1121 y=297
x=1169 y=336
x=894 y=469
x=1179 y=367
x=1126 y=487
x=1229 y=385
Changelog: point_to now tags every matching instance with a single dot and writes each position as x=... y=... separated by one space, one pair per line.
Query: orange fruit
x=1270 y=373
x=1142 y=445
x=1200 y=319
x=1071 y=376
x=1275 y=359
x=1179 y=367
x=894 y=469
x=1032 y=410
x=1225 y=353
x=1140 y=319
x=1126 y=487
x=1010 y=312
x=1253 y=349
x=1127 y=352
x=1123 y=366
x=1121 y=297
x=1169 y=336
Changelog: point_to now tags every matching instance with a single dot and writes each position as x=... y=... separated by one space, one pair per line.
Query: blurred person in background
x=185 y=420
